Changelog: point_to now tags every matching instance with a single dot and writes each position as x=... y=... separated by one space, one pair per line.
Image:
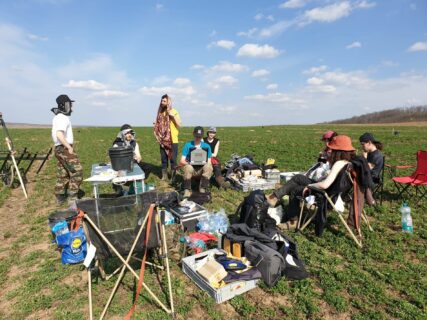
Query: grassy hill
x=397 y=115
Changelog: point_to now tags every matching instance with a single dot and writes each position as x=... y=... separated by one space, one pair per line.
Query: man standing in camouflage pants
x=69 y=170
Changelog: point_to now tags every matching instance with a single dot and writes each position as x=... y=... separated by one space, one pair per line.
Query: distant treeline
x=409 y=114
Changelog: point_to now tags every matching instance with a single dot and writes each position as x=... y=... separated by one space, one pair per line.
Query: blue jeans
x=164 y=157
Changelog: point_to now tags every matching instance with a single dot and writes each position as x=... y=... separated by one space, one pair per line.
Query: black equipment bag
x=269 y=262
x=253 y=211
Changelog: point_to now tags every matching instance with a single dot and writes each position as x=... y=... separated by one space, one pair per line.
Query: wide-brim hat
x=342 y=143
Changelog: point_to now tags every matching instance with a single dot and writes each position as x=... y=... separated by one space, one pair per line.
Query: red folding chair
x=417 y=181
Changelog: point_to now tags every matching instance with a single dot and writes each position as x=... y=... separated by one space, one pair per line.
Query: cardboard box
x=222 y=294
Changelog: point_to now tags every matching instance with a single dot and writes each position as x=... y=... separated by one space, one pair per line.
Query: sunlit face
x=211 y=135
x=164 y=102
x=129 y=135
x=366 y=146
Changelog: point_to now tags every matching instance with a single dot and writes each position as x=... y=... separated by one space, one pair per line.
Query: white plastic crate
x=222 y=294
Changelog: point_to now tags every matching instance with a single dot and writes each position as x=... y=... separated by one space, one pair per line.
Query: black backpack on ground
x=253 y=211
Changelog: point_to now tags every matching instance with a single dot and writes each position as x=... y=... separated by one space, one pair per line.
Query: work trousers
x=69 y=173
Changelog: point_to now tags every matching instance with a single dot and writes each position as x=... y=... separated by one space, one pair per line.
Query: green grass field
x=387 y=279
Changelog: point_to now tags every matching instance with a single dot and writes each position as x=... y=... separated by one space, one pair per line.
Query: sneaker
x=187 y=193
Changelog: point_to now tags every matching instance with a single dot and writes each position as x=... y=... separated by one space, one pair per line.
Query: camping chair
x=417 y=180
x=123 y=227
x=344 y=185
x=378 y=189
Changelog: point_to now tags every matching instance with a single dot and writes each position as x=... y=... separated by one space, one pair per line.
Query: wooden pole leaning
x=166 y=258
x=99 y=232
x=16 y=167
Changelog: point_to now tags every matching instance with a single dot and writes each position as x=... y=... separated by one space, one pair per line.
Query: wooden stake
x=16 y=167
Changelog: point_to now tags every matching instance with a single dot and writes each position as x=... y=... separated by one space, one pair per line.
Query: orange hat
x=342 y=143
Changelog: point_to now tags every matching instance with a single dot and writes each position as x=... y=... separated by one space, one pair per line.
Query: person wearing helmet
x=126 y=137
x=191 y=170
x=69 y=168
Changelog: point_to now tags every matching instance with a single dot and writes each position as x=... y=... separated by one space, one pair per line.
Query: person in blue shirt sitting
x=201 y=169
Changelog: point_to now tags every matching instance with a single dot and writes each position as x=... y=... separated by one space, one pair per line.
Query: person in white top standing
x=69 y=168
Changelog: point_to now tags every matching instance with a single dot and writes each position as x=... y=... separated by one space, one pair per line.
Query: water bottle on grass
x=407 y=225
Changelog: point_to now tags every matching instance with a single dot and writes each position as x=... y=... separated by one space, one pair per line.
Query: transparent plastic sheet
x=120 y=218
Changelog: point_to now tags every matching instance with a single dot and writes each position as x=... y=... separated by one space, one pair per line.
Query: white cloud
x=110 y=94
x=178 y=91
x=315 y=70
x=277 y=98
x=222 y=81
x=159 y=6
x=355 y=44
x=260 y=73
x=351 y=79
x=389 y=63
x=293 y=4
x=249 y=34
x=197 y=67
x=314 y=81
x=418 y=46
x=98 y=103
x=257 y=51
x=272 y=86
x=161 y=80
x=225 y=66
x=85 y=84
x=181 y=82
x=260 y=16
x=276 y=28
x=365 y=4
x=36 y=37
x=226 y=44
x=328 y=13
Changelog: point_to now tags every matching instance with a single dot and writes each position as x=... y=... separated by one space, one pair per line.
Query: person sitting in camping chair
x=196 y=160
x=372 y=152
x=342 y=152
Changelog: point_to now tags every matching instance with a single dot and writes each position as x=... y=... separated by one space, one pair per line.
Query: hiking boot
x=164 y=174
x=187 y=193
x=61 y=199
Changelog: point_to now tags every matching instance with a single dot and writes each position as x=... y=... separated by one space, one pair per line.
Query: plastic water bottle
x=407 y=225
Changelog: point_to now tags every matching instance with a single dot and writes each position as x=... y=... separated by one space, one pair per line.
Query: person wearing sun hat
x=342 y=151
x=326 y=138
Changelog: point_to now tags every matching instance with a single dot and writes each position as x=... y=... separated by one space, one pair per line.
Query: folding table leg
x=89 y=281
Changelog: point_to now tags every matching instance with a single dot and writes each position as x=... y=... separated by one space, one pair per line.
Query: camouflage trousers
x=69 y=174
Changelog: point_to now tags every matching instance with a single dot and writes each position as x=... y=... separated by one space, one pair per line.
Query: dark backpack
x=253 y=211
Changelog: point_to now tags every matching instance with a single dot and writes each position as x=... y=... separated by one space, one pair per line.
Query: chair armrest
x=319 y=190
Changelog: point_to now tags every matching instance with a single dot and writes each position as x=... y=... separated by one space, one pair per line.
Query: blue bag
x=74 y=246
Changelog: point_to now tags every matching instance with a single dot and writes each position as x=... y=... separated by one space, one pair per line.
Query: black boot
x=204 y=185
x=173 y=175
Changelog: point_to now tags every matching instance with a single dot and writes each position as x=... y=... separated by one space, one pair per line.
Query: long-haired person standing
x=166 y=131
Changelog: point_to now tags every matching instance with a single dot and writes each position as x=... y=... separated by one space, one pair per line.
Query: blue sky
x=223 y=62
